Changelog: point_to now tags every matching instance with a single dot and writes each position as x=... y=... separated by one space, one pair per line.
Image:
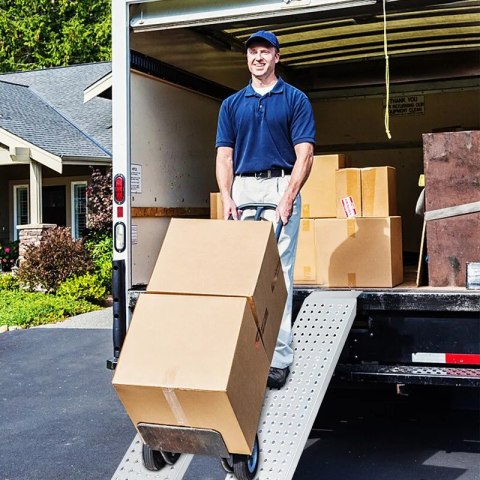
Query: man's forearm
x=301 y=169
x=224 y=171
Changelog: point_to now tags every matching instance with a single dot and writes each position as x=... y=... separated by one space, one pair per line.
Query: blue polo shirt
x=263 y=130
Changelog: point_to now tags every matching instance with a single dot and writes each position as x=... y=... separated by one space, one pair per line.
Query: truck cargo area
x=334 y=54
x=185 y=59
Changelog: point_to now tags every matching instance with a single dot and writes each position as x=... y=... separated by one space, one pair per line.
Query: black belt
x=274 y=172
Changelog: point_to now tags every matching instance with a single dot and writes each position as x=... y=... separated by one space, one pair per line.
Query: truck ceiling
x=325 y=45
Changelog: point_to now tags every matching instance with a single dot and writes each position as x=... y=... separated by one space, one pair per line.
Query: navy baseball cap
x=266 y=36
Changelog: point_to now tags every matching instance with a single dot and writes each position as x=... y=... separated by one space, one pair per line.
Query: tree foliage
x=47 y=33
x=100 y=208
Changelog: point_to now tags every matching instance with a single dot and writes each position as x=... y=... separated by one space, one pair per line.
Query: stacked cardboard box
x=358 y=242
x=198 y=349
x=350 y=235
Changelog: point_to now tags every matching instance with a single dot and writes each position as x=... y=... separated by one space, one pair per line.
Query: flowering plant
x=8 y=255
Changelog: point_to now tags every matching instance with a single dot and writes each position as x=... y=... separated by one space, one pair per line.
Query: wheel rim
x=253 y=459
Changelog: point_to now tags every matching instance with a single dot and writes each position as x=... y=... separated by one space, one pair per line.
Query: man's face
x=261 y=59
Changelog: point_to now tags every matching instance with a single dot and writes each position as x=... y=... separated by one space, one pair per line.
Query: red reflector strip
x=463 y=358
x=454 y=358
x=120 y=212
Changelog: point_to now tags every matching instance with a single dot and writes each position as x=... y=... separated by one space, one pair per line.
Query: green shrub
x=55 y=259
x=9 y=281
x=85 y=287
x=100 y=249
x=28 y=309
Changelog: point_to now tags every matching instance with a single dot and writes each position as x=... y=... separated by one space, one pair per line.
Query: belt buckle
x=264 y=174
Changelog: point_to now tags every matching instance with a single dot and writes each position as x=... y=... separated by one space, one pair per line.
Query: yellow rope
x=387 y=72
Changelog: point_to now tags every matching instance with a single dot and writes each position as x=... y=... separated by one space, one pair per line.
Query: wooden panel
x=452 y=177
x=451 y=243
x=451 y=166
x=192 y=212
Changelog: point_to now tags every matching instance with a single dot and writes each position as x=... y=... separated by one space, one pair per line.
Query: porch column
x=35 y=192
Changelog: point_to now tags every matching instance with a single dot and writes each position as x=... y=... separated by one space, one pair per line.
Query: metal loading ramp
x=319 y=334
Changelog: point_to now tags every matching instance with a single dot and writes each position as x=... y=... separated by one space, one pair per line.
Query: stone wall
x=31 y=235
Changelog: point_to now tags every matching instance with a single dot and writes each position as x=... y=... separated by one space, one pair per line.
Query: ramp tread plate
x=288 y=414
x=131 y=466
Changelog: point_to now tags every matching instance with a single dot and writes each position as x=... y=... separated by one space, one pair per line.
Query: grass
x=27 y=309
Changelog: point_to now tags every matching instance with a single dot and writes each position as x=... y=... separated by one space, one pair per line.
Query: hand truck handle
x=259 y=208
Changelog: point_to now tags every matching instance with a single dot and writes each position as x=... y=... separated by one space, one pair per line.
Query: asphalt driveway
x=60 y=417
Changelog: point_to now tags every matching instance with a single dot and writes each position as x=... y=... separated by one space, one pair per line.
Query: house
x=50 y=137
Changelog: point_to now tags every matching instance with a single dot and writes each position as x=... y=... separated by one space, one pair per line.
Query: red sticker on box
x=349 y=207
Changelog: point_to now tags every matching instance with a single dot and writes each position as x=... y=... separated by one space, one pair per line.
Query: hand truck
x=163 y=444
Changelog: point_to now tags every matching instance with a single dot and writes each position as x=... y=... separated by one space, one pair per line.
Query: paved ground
x=61 y=420
x=59 y=416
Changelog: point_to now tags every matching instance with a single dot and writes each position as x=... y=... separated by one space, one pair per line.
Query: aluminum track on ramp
x=319 y=334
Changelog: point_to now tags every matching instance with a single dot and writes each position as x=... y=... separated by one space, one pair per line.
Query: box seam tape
x=175 y=406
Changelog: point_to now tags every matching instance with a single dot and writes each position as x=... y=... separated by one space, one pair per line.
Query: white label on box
x=349 y=207
x=136 y=179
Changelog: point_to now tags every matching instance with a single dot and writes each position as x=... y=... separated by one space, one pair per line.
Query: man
x=265 y=139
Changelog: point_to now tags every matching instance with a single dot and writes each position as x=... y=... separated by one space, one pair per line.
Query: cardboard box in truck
x=318 y=192
x=194 y=361
x=225 y=258
x=348 y=185
x=379 y=192
x=304 y=272
x=216 y=206
x=359 y=252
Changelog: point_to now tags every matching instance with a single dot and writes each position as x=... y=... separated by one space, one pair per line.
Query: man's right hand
x=230 y=209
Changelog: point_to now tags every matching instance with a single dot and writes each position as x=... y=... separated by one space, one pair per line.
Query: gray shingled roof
x=45 y=107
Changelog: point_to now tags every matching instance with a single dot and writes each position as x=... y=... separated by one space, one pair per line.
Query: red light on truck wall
x=119 y=188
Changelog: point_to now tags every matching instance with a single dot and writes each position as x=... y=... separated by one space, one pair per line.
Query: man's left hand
x=284 y=210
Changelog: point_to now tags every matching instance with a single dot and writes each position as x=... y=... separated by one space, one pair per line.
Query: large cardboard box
x=318 y=192
x=194 y=361
x=304 y=272
x=348 y=183
x=216 y=206
x=359 y=252
x=379 y=192
x=225 y=258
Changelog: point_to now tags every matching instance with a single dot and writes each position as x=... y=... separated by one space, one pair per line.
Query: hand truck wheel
x=227 y=464
x=152 y=459
x=245 y=466
x=170 y=458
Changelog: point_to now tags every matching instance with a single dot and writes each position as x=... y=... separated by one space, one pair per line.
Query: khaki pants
x=270 y=190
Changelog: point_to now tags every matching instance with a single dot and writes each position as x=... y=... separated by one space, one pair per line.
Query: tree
x=99 y=199
x=47 y=33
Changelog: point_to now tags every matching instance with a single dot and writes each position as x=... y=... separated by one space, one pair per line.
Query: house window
x=21 y=211
x=79 y=209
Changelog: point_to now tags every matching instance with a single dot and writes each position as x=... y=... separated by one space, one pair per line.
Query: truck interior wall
x=173 y=140
x=359 y=122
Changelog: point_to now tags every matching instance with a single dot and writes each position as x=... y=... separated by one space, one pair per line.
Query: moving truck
x=173 y=64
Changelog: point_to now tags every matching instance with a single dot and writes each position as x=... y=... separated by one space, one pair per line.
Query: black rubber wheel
x=152 y=459
x=170 y=458
x=245 y=466
x=227 y=464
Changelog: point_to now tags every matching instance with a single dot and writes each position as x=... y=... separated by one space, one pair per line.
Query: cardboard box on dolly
x=199 y=347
